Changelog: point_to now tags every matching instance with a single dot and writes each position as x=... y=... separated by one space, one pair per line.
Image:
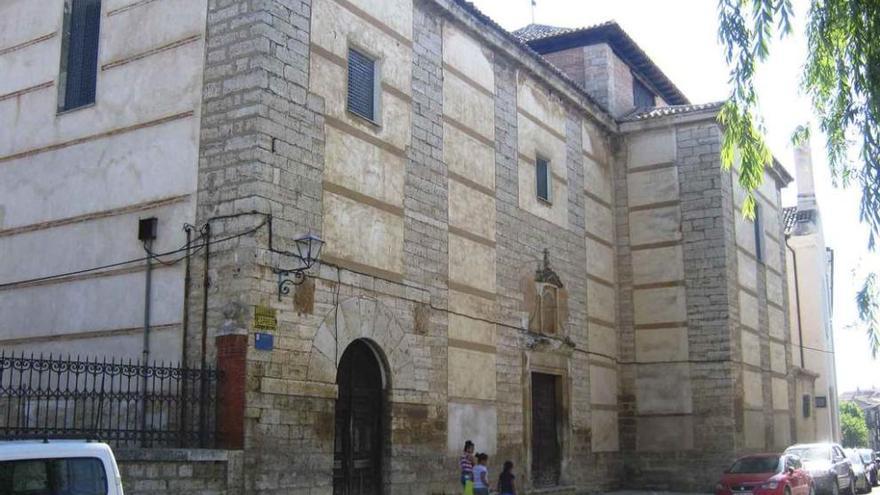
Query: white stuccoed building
x=810 y=270
x=87 y=148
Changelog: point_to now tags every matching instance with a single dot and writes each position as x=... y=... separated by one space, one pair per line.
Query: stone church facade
x=623 y=327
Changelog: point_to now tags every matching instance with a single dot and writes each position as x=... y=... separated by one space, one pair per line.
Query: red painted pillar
x=232 y=364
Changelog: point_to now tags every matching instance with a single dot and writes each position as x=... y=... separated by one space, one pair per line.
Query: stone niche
x=545 y=300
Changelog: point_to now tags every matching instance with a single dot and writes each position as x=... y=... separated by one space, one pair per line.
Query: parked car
x=60 y=467
x=765 y=474
x=863 y=481
x=870 y=463
x=831 y=471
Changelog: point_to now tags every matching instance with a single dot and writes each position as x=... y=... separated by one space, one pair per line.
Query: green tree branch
x=842 y=79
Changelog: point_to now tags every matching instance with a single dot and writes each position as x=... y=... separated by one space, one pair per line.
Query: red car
x=766 y=474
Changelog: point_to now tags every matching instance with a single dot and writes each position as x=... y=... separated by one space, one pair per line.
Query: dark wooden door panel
x=546 y=455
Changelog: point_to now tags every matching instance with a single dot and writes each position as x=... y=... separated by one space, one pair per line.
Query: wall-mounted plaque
x=264 y=318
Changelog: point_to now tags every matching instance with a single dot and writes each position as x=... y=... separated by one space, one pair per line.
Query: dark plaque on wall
x=821 y=401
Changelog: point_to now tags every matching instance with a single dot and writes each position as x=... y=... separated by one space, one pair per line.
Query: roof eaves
x=623 y=45
x=781 y=174
x=657 y=117
x=647 y=113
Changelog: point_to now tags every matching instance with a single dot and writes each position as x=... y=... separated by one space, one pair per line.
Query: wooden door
x=357 y=460
x=546 y=452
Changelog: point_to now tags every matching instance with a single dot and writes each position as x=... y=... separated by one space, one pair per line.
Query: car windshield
x=866 y=457
x=808 y=454
x=756 y=465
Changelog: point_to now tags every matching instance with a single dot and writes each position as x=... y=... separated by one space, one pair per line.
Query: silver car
x=863 y=480
x=828 y=465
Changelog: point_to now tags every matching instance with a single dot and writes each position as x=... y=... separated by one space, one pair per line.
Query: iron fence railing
x=122 y=403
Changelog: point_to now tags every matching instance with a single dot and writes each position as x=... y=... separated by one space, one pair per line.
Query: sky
x=680 y=36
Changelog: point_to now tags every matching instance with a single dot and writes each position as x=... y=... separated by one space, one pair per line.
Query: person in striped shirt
x=466 y=463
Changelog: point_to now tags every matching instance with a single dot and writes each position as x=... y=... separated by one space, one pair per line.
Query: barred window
x=79 y=54
x=542 y=171
x=361 y=85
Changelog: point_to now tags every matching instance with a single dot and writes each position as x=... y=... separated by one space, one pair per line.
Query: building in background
x=869 y=402
x=810 y=269
x=529 y=240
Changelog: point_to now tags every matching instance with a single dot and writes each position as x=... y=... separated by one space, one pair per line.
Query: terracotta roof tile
x=657 y=112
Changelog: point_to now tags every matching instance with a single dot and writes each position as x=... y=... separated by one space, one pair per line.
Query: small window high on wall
x=78 y=76
x=759 y=233
x=542 y=179
x=642 y=96
x=362 y=85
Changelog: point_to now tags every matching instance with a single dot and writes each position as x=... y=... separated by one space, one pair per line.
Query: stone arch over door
x=368 y=319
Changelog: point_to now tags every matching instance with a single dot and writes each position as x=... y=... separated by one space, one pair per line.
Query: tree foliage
x=842 y=79
x=868 y=303
x=853 y=425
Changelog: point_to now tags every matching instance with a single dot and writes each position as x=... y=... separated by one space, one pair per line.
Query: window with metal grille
x=79 y=53
x=759 y=233
x=642 y=96
x=542 y=171
x=361 y=85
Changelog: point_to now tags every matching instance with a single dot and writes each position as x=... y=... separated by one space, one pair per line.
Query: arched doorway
x=357 y=456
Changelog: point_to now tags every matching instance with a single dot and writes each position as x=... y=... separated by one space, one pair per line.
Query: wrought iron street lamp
x=307 y=253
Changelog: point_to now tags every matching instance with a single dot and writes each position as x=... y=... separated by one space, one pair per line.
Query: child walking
x=505 y=480
x=466 y=463
x=481 y=476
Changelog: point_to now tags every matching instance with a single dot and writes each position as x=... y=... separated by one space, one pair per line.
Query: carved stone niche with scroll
x=545 y=300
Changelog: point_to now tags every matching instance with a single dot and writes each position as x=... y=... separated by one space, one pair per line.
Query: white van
x=58 y=467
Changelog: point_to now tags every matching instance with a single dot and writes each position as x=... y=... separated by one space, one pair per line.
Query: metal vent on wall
x=361 y=84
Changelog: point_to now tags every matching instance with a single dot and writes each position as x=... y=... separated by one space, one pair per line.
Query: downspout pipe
x=148 y=288
x=187 y=281
x=797 y=299
x=148 y=244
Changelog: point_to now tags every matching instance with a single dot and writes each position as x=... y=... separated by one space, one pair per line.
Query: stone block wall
x=675 y=184
x=434 y=236
x=175 y=471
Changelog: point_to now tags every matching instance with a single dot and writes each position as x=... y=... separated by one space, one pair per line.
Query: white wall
x=814 y=318
x=73 y=185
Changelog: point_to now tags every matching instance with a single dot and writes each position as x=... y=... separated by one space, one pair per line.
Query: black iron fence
x=122 y=403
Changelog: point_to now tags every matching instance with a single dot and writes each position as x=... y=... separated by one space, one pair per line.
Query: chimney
x=803 y=160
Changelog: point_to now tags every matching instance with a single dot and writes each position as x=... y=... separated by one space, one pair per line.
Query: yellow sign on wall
x=264 y=318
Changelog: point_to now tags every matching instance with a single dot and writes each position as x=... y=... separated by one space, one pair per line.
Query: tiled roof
x=657 y=112
x=547 y=39
x=791 y=216
x=534 y=32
